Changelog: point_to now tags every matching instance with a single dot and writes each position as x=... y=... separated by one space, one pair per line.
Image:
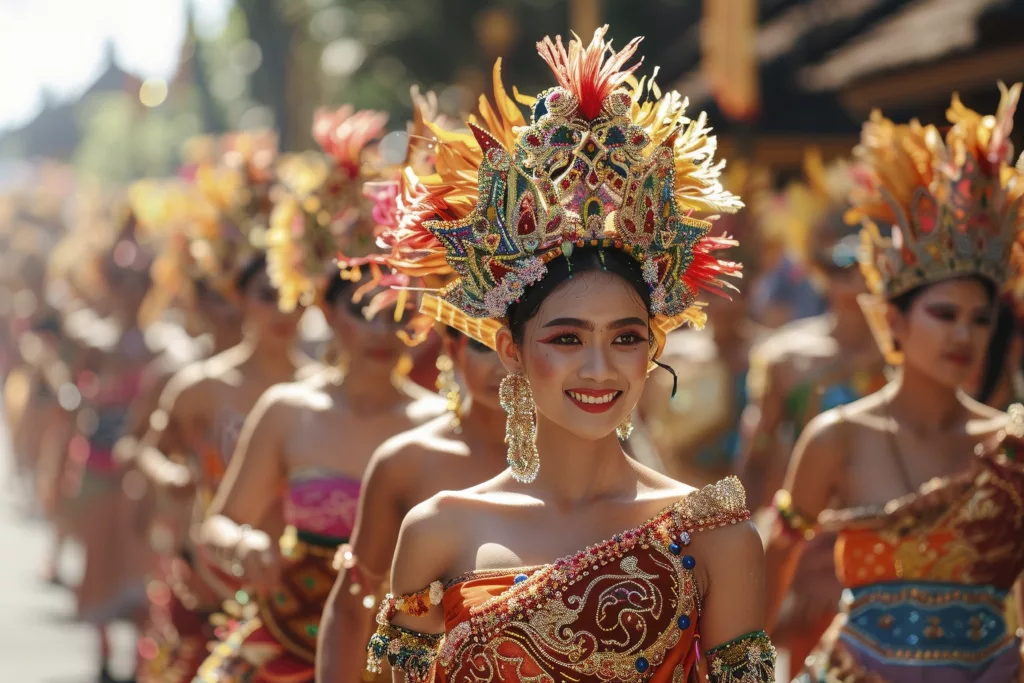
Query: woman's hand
x=175 y=479
x=259 y=559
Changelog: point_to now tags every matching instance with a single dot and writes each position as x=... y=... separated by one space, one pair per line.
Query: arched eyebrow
x=589 y=326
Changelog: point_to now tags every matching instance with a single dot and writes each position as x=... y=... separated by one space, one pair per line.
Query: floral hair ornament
x=599 y=164
x=953 y=206
x=237 y=185
x=178 y=213
x=321 y=210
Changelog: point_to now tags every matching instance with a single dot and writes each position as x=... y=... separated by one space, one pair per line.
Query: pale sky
x=59 y=45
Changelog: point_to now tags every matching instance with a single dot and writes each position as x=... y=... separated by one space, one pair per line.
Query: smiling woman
x=574 y=255
x=583 y=333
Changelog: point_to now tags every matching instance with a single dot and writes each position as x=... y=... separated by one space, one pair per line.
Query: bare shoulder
x=423 y=405
x=866 y=413
x=193 y=380
x=660 y=488
x=283 y=403
x=429 y=541
x=405 y=458
x=737 y=544
x=418 y=446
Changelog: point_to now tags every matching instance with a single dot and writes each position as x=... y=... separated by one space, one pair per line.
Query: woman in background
x=923 y=485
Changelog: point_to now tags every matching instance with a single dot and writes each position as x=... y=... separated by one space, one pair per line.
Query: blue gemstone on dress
x=642 y=664
x=912 y=639
x=689 y=562
x=675 y=548
x=520 y=578
x=684 y=622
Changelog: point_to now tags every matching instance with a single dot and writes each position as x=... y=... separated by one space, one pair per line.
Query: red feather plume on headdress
x=590 y=73
x=345 y=134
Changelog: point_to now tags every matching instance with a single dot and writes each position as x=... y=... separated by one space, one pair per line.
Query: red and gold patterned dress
x=927 y=579
x=279 y=644
x=627 y=609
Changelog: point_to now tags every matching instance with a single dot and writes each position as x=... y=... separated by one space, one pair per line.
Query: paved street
x=39 y=640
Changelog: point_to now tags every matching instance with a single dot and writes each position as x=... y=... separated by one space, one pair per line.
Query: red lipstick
x=594 y=400
x=959 y=358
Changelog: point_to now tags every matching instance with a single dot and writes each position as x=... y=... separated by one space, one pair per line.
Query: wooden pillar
x=584 y=18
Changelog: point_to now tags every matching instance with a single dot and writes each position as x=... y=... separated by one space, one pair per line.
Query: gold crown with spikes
x=234 y=185
x=953 y=206
x=599 y=164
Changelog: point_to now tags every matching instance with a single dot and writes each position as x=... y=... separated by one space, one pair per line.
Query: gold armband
x=747 y=659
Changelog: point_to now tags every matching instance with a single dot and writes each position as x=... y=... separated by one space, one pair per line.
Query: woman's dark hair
x=561 y=269
x=336 y=286
x=905 y=300
x=995 y=357
x=256 y=264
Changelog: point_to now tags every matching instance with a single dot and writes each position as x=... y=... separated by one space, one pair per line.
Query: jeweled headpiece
x=236 y=186
x=954 y=206
x=596 y=166
x=322 y=210
x=176 y=214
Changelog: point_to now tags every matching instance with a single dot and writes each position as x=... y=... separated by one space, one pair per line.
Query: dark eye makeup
x=949 y=313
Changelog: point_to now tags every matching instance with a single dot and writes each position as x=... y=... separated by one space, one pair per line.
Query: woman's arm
x=362 y=579
x=732 y=618
x=251 y=488
x=409 y=638
x=813 y=480
x=128 y=446
x=164 y=437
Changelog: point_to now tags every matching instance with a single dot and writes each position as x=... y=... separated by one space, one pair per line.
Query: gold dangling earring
x=520 y=428
x=625 y=430
x=449 y=388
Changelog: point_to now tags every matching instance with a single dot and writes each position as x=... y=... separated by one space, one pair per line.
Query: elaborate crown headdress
x=237 y=185
x=596 y=166
x=180 y=217
x=954 y=206
x=321 y=209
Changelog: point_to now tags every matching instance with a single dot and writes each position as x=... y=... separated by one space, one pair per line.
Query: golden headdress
x=321 y=210
x=237 y=187
x=599 y=164
x=178 y=214
x=953 y=206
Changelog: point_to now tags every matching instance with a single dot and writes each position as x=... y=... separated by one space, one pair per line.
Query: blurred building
x=824 y=64
x=54 y=132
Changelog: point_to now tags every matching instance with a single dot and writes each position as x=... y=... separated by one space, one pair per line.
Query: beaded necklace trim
x=747 y=659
